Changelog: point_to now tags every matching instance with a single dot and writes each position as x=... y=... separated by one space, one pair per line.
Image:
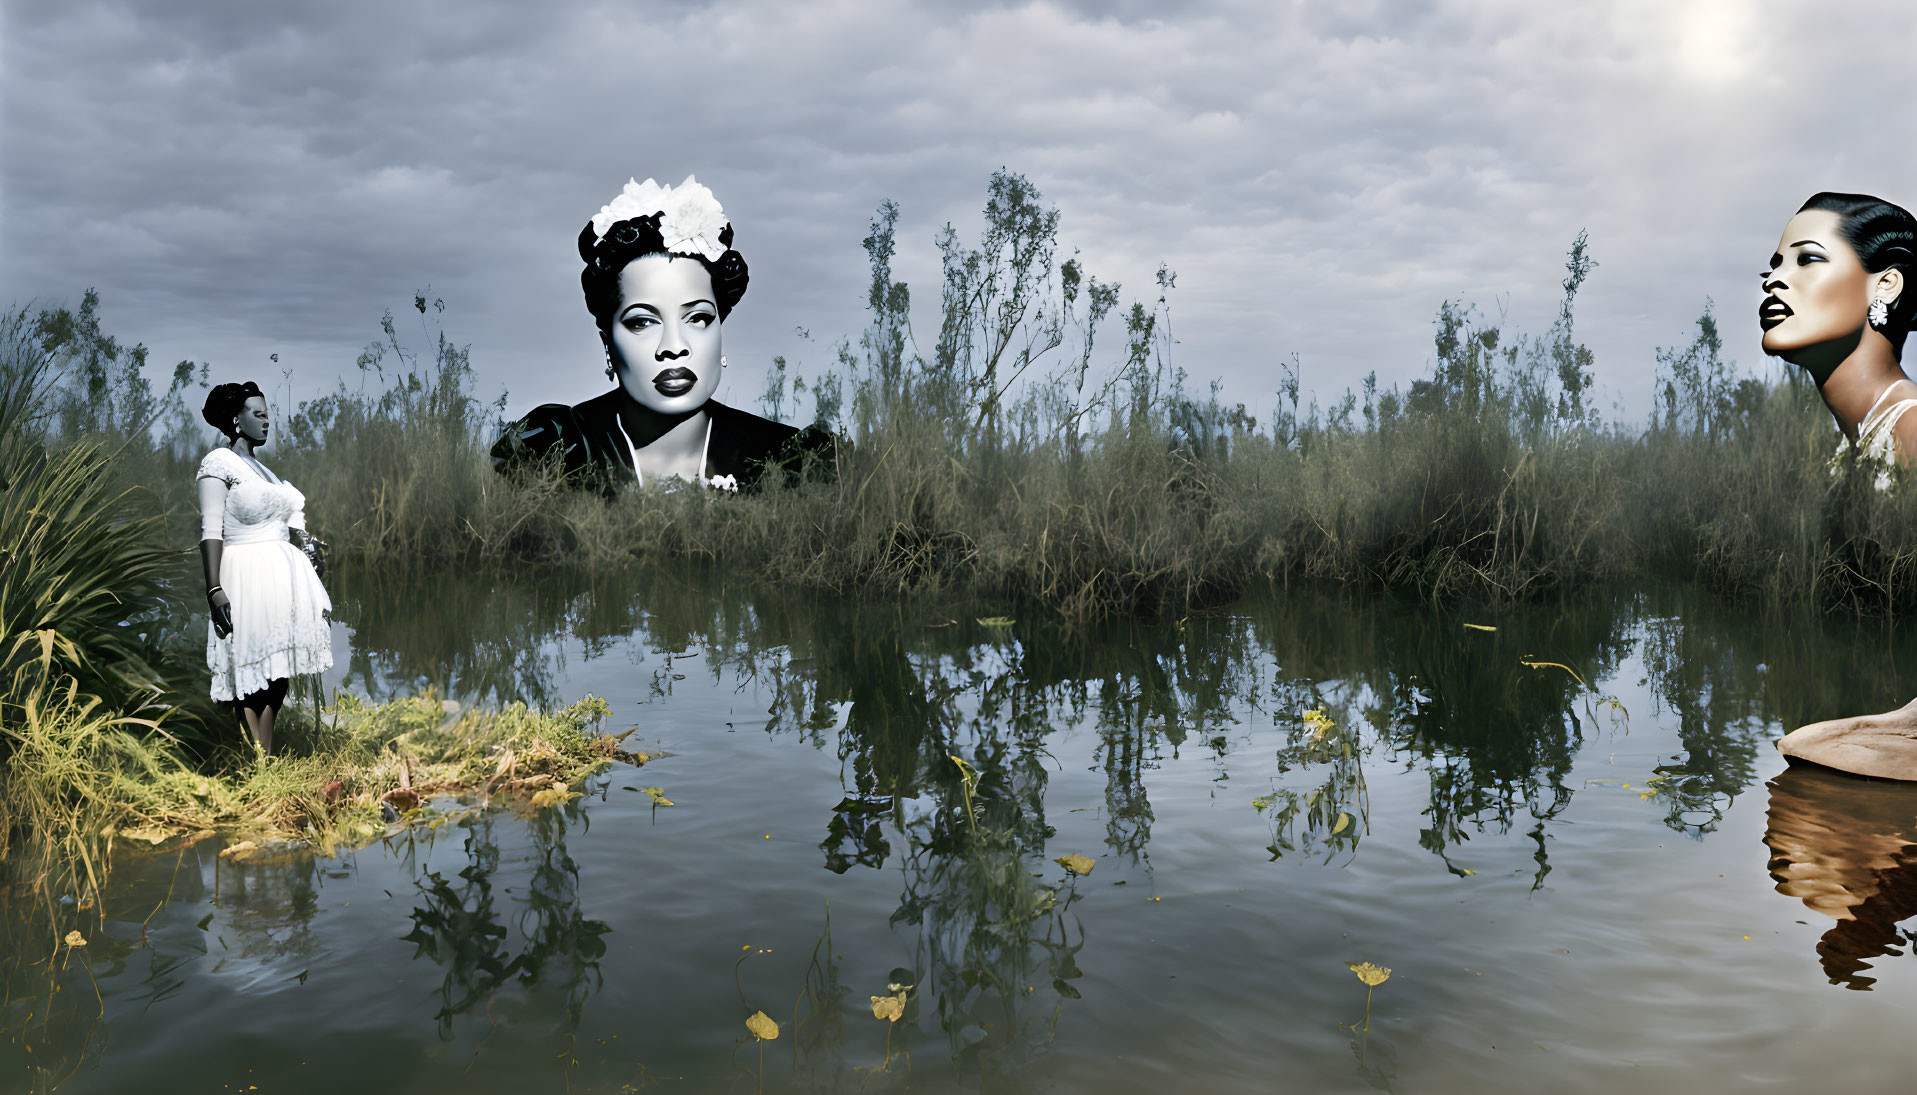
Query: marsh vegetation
x=1040 y=462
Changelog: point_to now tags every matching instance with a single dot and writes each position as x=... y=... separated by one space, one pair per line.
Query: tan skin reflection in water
x=1848 y=849
x=1826 y=310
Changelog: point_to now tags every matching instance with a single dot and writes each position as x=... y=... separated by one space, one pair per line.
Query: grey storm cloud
x=240 y=179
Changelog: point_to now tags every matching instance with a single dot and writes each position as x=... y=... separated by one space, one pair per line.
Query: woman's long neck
x=1853 y=387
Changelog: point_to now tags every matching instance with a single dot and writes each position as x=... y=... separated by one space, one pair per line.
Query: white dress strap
x=1882 y=430
x=1876 y=434
x=1881 y=396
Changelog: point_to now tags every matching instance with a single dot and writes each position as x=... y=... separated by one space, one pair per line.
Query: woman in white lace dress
x=263 y=591
x=1838 y=302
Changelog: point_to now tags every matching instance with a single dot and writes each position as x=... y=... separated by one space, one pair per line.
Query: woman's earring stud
x=1879 y=312
x=722 y=361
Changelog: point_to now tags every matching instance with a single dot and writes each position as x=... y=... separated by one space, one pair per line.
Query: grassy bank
x=78 y=777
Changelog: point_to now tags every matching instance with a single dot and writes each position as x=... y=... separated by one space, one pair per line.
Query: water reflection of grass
x=1404 y=685
x=459 y=926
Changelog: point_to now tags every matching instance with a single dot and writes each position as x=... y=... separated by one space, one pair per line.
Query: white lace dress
x=1876 y=434
x=279 y=607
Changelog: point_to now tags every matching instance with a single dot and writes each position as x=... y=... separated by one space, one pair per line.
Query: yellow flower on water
x=75 y=939
x=888 y=1008
x=555 y=795
x=1076 y=863
x=1370 y=974
x=1319 y=723
x=762 y=1026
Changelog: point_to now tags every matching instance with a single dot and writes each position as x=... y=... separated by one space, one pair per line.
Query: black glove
x=315 y=553
x=221 y=608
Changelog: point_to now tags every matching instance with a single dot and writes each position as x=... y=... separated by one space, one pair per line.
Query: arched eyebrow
x=1777 y=258
x=638 y=304
x=700 y=301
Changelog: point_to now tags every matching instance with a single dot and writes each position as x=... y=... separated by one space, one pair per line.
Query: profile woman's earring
x=1879 y=312
x=722 y=361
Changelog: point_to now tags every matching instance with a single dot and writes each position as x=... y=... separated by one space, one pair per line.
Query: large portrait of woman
x=661 y=276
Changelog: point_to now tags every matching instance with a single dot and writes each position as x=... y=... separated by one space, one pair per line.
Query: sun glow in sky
x=1714 y=43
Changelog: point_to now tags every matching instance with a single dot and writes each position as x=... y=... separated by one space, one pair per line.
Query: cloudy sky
x=240 y=179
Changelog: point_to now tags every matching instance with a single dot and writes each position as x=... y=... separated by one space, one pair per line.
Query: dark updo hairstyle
x=637 y=237
x=1885 y=238
x=224 y=403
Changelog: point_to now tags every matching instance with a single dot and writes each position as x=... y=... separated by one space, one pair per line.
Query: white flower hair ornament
x=690 y=220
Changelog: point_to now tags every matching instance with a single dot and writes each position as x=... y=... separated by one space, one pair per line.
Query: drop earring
x=722 y=361
x=1879 y=313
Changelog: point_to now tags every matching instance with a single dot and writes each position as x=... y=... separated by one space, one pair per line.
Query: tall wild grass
x=1045 y=450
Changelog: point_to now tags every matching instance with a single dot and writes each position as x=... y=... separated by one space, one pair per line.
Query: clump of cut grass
x=426 y=746
x=79 y=776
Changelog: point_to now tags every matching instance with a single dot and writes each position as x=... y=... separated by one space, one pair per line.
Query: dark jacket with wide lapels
x=596 y=453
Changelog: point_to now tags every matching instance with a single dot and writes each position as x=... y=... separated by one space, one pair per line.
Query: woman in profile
x=1838 y=303
x=262 y=587
x=1835 y=305
x=660 y=279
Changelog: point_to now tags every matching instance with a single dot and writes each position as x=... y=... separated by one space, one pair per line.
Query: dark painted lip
x=1772 y=312
x=677 y=380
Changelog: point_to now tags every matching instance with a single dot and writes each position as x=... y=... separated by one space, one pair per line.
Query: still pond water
x=1575 y=887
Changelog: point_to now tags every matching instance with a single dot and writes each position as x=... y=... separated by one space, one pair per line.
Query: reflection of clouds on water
x=262 y=928
x=1847 y=848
